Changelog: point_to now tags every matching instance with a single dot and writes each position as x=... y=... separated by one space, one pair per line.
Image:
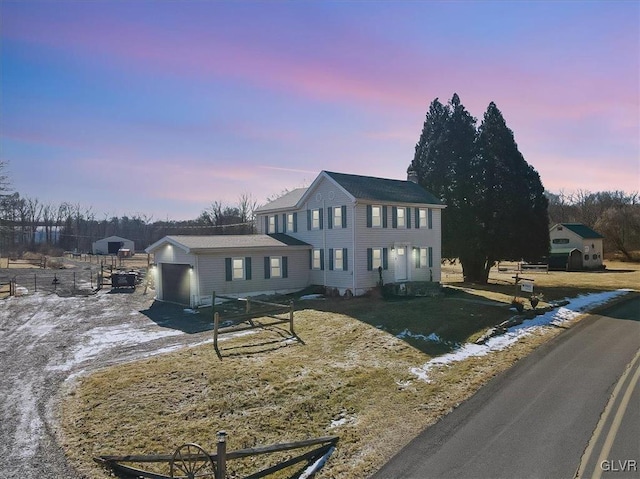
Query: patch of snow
x=191 y=311
x=101 y=339
x=312 y=296
x=408 y=334
x=574 y=308
x=310 y=471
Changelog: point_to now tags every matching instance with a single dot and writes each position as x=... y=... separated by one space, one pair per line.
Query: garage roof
x=203 y=244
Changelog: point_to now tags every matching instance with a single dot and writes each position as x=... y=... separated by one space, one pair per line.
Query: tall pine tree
x=496 y=209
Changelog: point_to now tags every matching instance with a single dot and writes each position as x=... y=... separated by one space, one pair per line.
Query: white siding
x=390 y=237
x=212 y=274
x=356 y=238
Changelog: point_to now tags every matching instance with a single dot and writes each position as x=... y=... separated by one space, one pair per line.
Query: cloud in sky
x=186 y=104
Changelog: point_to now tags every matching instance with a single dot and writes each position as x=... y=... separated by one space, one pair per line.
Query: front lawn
x=350 y=376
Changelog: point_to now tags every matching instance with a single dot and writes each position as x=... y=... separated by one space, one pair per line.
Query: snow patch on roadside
x=575 y=307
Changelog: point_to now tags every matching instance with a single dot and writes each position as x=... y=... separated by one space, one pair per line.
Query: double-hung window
x=290 y=223
x=376 y=258
x=400 y=218
x=423 y=257
x=337 y=217
x=238 y=268
x=315 y=219
x=316 y=259
x=422 y=218
x=376 y=216
x=338 y=259
x=275 y=265
x=273 y=224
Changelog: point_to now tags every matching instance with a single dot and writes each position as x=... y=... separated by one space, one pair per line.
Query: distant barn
x=112 y=245
x=575 y=247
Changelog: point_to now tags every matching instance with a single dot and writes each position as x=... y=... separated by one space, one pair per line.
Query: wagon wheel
x=191 y=461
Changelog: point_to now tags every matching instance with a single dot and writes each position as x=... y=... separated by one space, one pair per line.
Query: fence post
x=216 y=323
x=293 y=333
x=221 y=470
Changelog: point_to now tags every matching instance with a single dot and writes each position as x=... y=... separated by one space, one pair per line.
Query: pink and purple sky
x=161 y=108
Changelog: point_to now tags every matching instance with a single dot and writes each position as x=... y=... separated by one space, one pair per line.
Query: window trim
x=373 y=217
x=241 y=268
x=272 y=267
x=316 y=222
x=317 y=267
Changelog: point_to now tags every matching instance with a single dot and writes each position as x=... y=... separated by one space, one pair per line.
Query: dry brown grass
x=267 y=389
x=554 y=284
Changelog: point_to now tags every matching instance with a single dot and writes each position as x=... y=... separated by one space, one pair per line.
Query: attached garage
x=176 y=283
x=189 y=269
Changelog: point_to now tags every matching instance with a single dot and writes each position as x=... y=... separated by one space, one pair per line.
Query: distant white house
x=343 y=232
x=575 y=247
x=112 y=245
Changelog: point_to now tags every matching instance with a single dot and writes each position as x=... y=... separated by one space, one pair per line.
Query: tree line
x=27 y=224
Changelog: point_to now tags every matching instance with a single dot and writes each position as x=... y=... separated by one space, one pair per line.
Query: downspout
x=353 y=253
x=324 y=242
x=197 y=275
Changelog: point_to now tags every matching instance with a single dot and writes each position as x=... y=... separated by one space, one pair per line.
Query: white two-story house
x=345 y=232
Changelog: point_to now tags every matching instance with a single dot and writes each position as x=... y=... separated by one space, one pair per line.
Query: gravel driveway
x=46 y=341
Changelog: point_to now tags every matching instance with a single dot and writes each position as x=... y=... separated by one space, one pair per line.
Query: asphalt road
x=547 y=416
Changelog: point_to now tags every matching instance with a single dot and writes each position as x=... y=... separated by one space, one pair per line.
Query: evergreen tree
x=513 y=209
x=496 y=208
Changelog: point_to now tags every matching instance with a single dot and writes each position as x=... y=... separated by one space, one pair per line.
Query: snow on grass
x=101 y=339
x=575 y=307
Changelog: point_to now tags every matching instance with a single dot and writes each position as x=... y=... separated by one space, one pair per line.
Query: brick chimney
x=412 y=175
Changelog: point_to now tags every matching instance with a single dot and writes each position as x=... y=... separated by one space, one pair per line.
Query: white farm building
x=112 y=245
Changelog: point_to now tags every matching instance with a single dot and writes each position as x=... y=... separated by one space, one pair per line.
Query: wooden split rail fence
x=191 y=460
x=252 y=309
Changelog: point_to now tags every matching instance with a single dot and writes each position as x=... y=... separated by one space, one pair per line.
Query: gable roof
x=288 y=200
x=211 y=243
x=582 y=230
x=360 y=187
x=383 y=189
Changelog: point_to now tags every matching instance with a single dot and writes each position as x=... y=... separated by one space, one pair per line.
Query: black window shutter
x=331 y=259
x=345 y=262
x=430 y=218
x=321 y=214
x=322 y=259
x=267 y=268
x=407 y=214
x=329 y=217
x=308 y=219
x=369 y=259
x=344 y=215
x=285 y=267
x=266 y=224
x=430 y=257
x=295 y=222
x=276 y=223
x=227 y=269
x=417 y=217
x=385 y=258
x=369 y=216
x=384 y=216
x=247 y=267
x=394 y=217
x=284 y=222
x=310 y=259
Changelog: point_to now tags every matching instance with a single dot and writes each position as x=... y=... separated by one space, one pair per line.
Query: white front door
x=401 y=263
